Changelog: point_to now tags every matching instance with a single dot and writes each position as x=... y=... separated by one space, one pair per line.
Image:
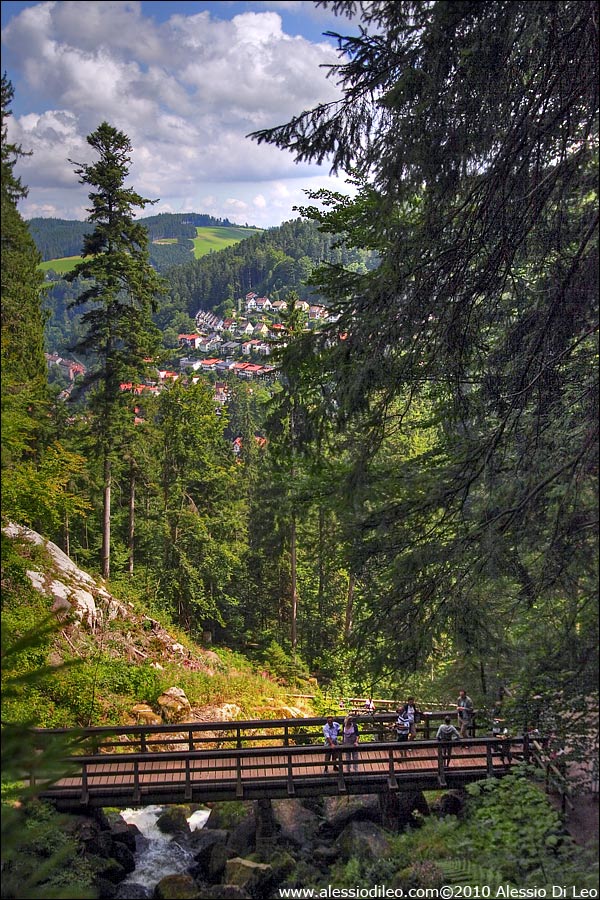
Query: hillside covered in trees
x=272 y=264
x=170 y=236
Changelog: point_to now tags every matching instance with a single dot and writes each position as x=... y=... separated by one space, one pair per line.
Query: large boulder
x=228 y=814
x=124 y=857
x=364 y=839
x=225 y=892
x=125 y=834
x=173 y=820
x=202 y=839
x=177 y=887
x=210 y=854
x=451 y=803
x=132 y=891
x=398 y=808
x=297 y=824
x=242 y=839
x=145 y=715
x=218 y=858
x=255 y=877
x=339 y=811
x=174 y=705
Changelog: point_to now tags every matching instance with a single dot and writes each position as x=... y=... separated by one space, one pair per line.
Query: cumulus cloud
x=186 y=91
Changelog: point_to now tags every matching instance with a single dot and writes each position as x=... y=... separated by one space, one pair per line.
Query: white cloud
x=187 y=92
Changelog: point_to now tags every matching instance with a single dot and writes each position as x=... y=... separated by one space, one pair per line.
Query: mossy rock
x=112 y=871
x=228 y=814
x=364 y=840
x=254 y=877
x=174 y=821
x=177 y=887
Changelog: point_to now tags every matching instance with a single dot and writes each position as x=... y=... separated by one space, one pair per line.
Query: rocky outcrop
x=174 y=705
x=363 y=839
x=297 y=824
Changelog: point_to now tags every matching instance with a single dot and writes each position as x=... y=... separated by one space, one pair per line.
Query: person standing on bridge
x=413 y=715
x=330 y=732
x=350 y=740
x=465 y=710
x=447 y=733
x=402 y=726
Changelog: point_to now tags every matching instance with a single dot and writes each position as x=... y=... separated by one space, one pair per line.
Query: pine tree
x=472 y=130
x=24 y=379
x=119 y=332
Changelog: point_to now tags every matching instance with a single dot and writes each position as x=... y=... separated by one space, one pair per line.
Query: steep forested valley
x=351 y=456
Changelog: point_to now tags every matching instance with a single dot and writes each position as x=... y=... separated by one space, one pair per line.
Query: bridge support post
x=389 y=809
x=266 y=828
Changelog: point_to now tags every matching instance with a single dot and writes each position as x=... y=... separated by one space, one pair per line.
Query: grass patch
x=216 y=238
x=65 y=264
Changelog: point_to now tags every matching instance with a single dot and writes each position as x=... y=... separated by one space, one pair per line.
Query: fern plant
x=465 y=872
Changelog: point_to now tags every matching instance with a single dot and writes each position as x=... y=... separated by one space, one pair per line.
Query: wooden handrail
x=240 y=731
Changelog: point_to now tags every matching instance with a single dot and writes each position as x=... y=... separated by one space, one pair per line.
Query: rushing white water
x=162 y=854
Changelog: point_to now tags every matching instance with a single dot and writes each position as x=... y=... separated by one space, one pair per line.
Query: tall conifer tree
x=23 y=365
x=119 y=332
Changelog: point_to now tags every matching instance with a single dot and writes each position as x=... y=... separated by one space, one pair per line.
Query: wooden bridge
x=229 y=761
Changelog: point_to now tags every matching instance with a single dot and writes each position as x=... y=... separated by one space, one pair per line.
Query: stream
x=159 y=854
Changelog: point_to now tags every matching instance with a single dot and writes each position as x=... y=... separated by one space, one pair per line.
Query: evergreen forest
x=409 y=505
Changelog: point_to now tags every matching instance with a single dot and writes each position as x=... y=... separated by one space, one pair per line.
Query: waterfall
x=160 y=854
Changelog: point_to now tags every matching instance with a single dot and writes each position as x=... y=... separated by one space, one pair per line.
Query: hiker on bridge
x=447 y=733
x=331 y=730
x=413 y=715
x=350 y=740
x=402 y=726
x=465 y=710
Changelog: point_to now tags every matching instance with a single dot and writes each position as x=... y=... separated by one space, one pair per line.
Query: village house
x=189 y=340
x=189 y=363
x=165 y=375
x=68 y=367
x=208 y=321
x=208 y=364
x=230 y=347
x=225 y=365
x=221 y=392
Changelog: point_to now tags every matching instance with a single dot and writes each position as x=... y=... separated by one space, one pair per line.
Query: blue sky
x=186 y=81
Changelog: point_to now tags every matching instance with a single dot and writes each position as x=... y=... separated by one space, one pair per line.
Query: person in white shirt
x=330 y=733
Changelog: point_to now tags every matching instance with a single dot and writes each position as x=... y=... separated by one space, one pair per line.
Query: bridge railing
x=232 y=735
x=132 y=774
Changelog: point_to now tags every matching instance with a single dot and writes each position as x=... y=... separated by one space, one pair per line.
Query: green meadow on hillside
x=65 y=264
x=218 y=237
x=208 y=239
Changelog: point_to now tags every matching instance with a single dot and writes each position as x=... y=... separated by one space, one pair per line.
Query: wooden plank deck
x=179 y=776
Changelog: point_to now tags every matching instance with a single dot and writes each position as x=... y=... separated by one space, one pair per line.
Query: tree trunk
x=67 y=535
x=321 y=588
x=349 y=607
x=131 y=529
x=106 y=519
x=294 y=628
